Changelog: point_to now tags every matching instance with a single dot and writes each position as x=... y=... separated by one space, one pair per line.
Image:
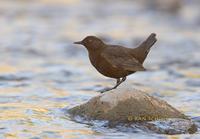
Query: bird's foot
x=105 y=90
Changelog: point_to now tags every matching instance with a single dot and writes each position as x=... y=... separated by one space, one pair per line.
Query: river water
x=42 y=73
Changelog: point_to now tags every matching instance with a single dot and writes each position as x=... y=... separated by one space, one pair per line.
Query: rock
x=128 y=105
x=125 y=105
x=171 y=126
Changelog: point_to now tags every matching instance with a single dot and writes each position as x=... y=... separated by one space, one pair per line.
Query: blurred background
x=42 y=73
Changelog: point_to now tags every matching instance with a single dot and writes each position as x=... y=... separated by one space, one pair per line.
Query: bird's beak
x=79 y=42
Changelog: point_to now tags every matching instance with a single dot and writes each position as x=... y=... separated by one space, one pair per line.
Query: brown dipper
x=116 y=61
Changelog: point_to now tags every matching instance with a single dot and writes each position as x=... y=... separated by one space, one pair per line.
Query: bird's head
x=91 y=42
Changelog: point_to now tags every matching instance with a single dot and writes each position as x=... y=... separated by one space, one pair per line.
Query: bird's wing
x=120 y=58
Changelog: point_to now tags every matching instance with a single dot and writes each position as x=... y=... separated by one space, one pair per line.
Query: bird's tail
x=143 y=49
x=149 y=42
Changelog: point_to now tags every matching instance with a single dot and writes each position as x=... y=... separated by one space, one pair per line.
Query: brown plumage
x=116 y=61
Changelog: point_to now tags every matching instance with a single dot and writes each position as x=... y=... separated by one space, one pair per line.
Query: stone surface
x=124 y=105
x=128 y=105
x=171 y=126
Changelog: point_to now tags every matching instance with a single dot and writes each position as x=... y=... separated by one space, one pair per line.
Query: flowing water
x=42 y=73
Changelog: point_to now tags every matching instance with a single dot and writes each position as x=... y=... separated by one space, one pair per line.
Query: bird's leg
x=124 y=79
x=117 y=84
x=119 y=81
x=108 y=89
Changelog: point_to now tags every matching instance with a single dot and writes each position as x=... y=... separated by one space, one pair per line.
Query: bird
x=116 y=61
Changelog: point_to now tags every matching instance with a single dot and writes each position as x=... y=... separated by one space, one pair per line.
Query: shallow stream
x=42 y=73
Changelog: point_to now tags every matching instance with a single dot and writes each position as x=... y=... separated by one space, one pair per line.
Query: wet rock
x=171 y=126
x=128 y=105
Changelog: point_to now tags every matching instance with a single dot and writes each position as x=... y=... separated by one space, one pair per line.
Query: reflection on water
x=42 y=73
